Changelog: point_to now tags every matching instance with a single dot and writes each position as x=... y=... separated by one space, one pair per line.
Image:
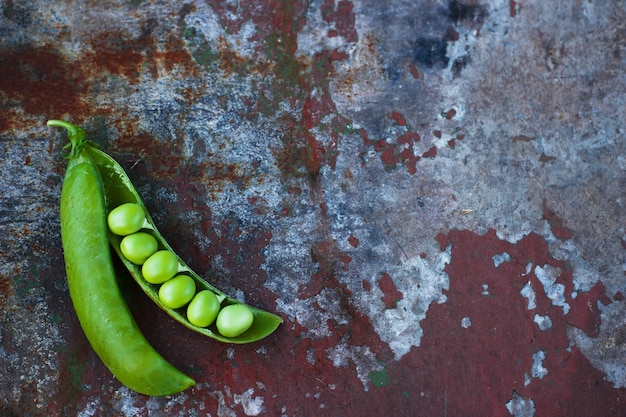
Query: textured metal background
x=430 y=193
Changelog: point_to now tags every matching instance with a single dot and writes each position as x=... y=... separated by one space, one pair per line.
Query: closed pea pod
x=98 y=302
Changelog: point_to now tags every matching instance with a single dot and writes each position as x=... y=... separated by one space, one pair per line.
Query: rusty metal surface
x=430 y=193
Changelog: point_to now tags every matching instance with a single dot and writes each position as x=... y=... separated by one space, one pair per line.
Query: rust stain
x=41 y=81
x=6 y=290
x=118 y=55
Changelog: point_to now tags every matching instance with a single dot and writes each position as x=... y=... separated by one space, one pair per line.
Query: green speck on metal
x=76 y=369
x=349 y=128
x=199 y=47
x=135 y=3
x=190 y=32
x=204 y=55
x=406 y=394
x=379 y=378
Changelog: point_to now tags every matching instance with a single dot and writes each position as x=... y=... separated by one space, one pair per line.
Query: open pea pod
x=118 y=189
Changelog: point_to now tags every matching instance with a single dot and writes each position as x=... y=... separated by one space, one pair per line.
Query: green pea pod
x=97 y=299
x=119 y=190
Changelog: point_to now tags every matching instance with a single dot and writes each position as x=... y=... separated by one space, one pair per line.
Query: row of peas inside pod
x=161 y=267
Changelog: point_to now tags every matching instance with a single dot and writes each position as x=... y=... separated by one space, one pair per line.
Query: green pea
x=234 y=319
x=160 y=267
x=126 y=219
x=177 y=292
x=203 y=309
x=138 y=247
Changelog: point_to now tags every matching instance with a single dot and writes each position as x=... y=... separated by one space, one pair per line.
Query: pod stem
x=76 y=135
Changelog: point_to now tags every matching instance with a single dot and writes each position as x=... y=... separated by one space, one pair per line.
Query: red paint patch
x=398 y=118
x=450 y=114
x=407 y=155
x=346 y=259
x=605 y=299
x=556 y=224
x=431 y=153
x=474 y=371
x=391 y=295
x=389 y=156
x=353 y=241
x=513 y=8
x=342 y=15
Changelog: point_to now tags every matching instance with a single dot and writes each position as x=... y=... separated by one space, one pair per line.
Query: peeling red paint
x=492 y=358
x=342 y=15
x=431 y=153
x=450 y=114
x=556 y=224
x=398 y=118
x=404 y=149
x=513 y=7
x=346 y=259
x=391 y=295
